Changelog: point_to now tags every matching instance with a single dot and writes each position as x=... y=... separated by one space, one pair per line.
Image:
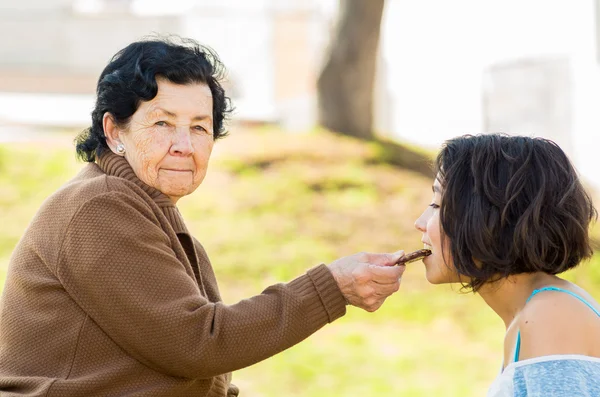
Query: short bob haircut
x=514 y=204
x=130 y=78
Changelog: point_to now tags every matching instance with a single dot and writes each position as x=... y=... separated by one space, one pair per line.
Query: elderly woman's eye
x=200 y=128
x=161 y=123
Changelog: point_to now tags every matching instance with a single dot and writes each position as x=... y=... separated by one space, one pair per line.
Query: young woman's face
x=439 y=268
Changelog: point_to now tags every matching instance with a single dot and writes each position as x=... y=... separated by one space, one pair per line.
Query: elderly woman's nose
x=182 y=141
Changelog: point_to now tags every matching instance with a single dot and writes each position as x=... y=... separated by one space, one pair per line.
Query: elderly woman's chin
x=176 y=184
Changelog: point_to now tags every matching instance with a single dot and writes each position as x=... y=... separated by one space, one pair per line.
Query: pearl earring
x=120 y=148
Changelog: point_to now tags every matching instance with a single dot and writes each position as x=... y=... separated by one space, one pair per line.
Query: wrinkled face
x=170 y=138
x=439 y=268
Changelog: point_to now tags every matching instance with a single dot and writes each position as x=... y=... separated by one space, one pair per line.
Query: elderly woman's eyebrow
x=202 y=117
x=159 y=111
x=199 y=117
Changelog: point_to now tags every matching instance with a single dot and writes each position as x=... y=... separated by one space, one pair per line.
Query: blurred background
x=340 y=107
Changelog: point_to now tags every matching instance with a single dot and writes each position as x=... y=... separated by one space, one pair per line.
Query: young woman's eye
x=434 y=206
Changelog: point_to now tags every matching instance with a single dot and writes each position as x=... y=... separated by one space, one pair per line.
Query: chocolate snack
x=413 y=256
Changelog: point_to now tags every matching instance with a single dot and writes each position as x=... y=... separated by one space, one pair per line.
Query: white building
x=270 y=48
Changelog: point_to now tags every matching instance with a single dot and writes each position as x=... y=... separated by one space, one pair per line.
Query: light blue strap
x=517 y=347
x=566 y=291
x=535 y=292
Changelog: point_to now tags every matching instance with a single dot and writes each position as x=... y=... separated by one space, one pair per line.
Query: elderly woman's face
x=170 y=138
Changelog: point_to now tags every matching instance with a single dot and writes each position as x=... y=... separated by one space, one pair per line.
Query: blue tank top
x=535 y=292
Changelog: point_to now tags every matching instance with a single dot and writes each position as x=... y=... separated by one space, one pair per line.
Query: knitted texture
x=107 y=294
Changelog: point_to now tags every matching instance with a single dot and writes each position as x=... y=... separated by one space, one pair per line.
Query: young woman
x=508 y=215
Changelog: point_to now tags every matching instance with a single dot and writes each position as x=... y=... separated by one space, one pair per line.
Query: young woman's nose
x=421 y=224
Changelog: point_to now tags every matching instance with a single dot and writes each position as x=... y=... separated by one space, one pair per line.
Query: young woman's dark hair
x=130 y=78
x=511 y=205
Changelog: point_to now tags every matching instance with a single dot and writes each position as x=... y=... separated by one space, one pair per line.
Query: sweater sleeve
x=118 y=265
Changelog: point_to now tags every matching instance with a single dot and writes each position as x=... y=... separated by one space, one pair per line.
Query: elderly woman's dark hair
x=513 y=204
x=130 y=78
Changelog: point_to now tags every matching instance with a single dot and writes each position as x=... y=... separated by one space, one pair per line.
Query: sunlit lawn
x=274 y=205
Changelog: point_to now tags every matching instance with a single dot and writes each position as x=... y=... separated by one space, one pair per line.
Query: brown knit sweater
x=107 y=294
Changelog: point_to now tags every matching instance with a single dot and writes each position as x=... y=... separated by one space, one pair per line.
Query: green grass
x=274 y=205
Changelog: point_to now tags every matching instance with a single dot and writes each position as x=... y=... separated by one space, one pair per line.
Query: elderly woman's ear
x=112 y=134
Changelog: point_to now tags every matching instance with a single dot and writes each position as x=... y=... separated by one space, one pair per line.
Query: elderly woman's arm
x=121 y=269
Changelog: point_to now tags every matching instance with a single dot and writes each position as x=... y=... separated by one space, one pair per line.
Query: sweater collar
x=115 y=165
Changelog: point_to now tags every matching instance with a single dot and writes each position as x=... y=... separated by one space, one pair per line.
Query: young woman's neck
x=508 y=296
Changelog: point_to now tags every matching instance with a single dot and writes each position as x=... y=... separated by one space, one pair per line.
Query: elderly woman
x=108 y=294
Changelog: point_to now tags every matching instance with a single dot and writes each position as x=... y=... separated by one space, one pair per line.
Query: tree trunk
x=346 y=84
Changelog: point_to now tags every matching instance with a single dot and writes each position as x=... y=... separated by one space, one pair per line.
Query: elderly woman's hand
x=366 y=280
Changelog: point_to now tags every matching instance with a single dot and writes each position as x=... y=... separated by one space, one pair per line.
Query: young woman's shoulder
x=555 y=322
